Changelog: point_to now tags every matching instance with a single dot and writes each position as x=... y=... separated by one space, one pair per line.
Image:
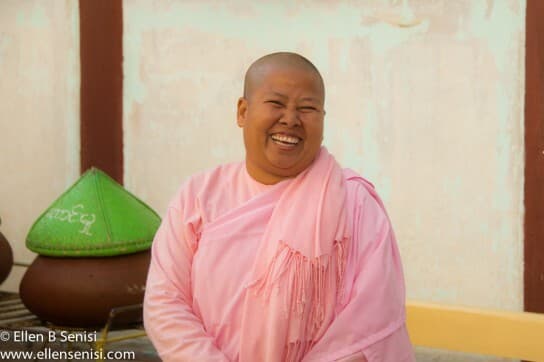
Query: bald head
x=263 y=65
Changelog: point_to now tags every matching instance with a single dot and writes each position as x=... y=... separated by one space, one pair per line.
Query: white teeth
x=285 y=139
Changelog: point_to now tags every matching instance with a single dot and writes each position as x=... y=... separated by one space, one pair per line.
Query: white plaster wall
x=39 y=114
x=424 y=98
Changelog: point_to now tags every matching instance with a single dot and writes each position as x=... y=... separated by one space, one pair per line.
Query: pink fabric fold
x=232 y=277
x=299 y=266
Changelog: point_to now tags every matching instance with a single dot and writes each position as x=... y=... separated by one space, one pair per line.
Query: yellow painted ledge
x=497 y=333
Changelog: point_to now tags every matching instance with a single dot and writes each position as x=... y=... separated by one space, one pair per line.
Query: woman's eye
x=275 y=103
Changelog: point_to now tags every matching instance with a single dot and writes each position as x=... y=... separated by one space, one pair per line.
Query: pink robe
x=195 y=305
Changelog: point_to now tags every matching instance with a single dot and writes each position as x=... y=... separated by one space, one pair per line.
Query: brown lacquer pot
x=6 y=258
x=93 y=244
x=80 y=292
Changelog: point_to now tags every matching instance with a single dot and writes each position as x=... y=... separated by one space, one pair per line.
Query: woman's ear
x=241 y=112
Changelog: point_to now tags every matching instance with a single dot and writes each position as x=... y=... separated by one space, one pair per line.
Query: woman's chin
x=287 y=169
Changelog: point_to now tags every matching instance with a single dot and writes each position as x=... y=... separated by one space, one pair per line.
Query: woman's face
x=282 y=121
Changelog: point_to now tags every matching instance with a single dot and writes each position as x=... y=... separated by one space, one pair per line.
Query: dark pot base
x=80 y=292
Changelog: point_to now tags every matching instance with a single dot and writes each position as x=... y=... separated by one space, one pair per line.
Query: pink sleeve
x=176 y=332
x=371 y=316
x=385 y=350
x=394 y=348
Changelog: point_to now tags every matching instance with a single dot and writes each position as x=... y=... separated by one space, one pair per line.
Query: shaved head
x=281 y=114
x=263 y=65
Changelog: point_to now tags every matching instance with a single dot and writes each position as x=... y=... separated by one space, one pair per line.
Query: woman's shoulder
x=212 y=177
x=359 y=188
x=202 y=184
x=361 y=195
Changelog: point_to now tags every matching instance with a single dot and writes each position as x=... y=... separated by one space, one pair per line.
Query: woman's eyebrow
x=283 y=96
x=310 y=99
x=278 y=94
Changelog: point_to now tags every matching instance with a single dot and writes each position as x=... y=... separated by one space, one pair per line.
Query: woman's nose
x=290 y=118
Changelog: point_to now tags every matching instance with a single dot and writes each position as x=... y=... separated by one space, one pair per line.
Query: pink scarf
x=297 y=275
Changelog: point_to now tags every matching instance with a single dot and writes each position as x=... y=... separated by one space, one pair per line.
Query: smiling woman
x=283 y=257
x=282 y=116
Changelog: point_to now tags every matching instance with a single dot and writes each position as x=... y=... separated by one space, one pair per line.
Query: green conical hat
x=94 y=217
